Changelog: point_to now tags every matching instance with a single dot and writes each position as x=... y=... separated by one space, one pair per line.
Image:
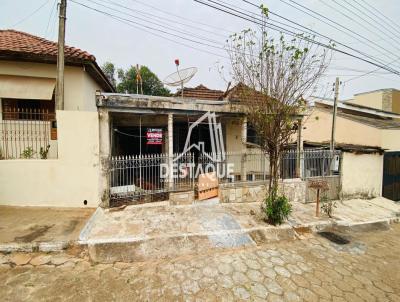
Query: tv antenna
x=180 y=77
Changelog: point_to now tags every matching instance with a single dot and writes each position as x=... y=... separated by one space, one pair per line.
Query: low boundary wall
x=68 y=181
x=294 y=189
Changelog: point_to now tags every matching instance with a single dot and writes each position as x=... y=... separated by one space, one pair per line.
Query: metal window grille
x=24 y=132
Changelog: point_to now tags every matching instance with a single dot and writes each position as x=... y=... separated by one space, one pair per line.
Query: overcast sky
x=124 y=45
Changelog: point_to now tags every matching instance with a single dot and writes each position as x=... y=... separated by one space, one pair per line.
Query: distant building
x=383 y=99
x=369 y=138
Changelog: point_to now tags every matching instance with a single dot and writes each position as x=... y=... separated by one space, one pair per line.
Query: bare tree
x=275 y=76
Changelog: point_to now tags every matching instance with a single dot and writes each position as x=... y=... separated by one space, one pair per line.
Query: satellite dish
x=180 y=77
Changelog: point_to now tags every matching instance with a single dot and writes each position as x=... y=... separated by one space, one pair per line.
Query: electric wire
x=349 y=32
x=50 y=17
x=146 y=14
x=385 y=18
x=31 y=14
x=367 y=22
x=393 y=30
x=181 y=17
x=147 y=26
x=156 y=23
x=239 y=15
x=316 y=33
x=142 y=28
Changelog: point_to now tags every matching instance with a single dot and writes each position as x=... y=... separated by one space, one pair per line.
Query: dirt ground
x=41 y=224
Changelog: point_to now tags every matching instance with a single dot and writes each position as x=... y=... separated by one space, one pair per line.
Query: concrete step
x=167 y=247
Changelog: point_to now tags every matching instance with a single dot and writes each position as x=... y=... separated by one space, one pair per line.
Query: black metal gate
x=391 y=175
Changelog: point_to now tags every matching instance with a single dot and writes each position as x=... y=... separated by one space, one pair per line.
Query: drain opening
x=335 y=238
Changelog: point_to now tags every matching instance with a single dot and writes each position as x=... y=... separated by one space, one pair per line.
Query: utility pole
x=334 y=114
x=60 y=56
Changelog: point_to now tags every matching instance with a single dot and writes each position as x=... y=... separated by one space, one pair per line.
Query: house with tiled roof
x=52 y=155
x=108 y=149
x=369 y=138
x=200 y=92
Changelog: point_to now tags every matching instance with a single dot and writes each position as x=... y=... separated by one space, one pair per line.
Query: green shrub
x=328 y=206
x=28 y=153
x=277 y=209
x=44 y=151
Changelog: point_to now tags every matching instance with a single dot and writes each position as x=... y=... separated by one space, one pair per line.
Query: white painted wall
x=362 y=174
x=63 y=182
x=80 y=88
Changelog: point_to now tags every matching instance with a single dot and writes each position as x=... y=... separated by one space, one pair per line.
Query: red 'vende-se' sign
x=154 y=136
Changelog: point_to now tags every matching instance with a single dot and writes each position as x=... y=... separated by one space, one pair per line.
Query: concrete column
x=244 y=149
x=104 y=157
x=170 y=148
x=300 y=156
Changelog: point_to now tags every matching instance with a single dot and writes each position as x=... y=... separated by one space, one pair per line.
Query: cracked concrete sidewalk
x=44 y=229
x=162 y=231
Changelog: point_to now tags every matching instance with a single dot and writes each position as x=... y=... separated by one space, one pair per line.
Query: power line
x=180 y=17
x=146 y=14
x=317 y=33
x=31 y=14
x=148 y=27
x=367 y=73
x=367 y=22
x=156 y=23
x=337 y=25
x=141 y=27
x=384 y=19
x=352 y=19
x=396 y=32
x=283 y=30
x=51 y=15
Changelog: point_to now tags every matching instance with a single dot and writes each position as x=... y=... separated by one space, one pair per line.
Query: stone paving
x=312 y=269
x=157 y=220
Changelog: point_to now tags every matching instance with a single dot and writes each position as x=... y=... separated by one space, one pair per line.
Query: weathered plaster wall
x=362 y=175
x=80 y=88
x=234 y=135
x=396 y=101
x=318 y=129
x=391 y=140
x=63 y=182
x=372 y=99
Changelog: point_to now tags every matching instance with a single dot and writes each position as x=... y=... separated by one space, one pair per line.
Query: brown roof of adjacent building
x=21 y=43
x=21 y=46
x=345 y=147
x=200 y=92
x=372 y=120
x=242 y=93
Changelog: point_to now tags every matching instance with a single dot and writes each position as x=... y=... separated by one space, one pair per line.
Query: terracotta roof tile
x=200 y=92
x=24 y=44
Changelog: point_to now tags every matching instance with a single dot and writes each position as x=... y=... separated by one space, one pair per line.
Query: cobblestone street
x=312 y=269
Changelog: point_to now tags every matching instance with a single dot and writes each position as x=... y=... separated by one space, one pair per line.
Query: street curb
x=88 y=226
x=49 y=246
x=138 y=249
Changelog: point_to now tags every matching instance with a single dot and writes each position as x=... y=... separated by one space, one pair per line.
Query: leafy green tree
x=109 y=70
x=150 y=82
x=127 y=82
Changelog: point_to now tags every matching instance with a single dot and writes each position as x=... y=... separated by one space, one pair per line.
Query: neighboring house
x=48 y=157
x=383 y=99
x=367 y=136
